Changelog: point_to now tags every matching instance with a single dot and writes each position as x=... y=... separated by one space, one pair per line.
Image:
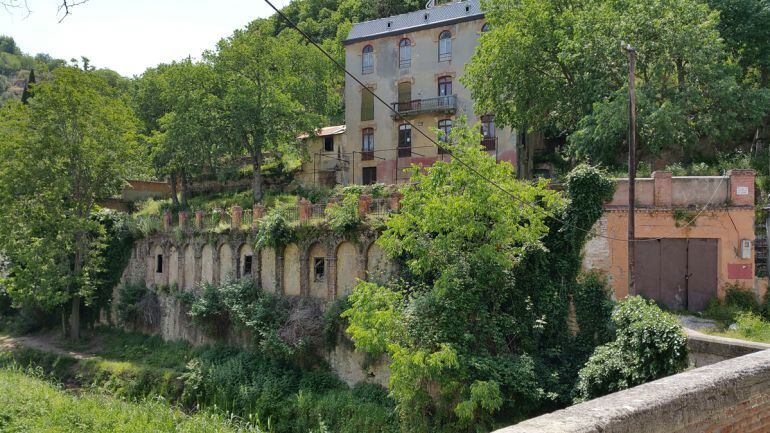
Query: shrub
x=740 y=297
x=343 y=217
x=752 y=327
x=129 y=296
x=275 y=229
x=209 y=312
x=649 y=344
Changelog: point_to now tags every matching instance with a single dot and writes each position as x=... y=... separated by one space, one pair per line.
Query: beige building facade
x=414 y=62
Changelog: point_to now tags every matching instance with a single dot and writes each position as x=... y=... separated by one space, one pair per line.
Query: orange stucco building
x=695 y=238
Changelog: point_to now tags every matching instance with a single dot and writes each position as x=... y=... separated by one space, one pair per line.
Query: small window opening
x=390 y=24
x=467 y=8
x=426 y=17
x=247 y=264
x=319 y=268
x=329 y=143
x=159 y=264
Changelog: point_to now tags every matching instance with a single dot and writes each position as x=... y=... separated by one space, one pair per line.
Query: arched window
x=404 y=141
x=367 y=60
x=485 y=28
x=404 y=53
x=445 y=46
x=445 y=128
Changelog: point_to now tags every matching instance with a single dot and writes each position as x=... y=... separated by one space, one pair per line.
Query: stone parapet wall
x=709 y=349
x=729 y=396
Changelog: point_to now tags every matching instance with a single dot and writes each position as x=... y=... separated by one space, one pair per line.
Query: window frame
x=319 y=262
x=372 y=171
x=445 y=46
x=367 y=93
x=404 y=140
x=444 y=125
x=445 y=83
x=405 y=47
x=327 y=140
x=248 y=264
x=367 y=137
x=367 y=60
x=488 y=132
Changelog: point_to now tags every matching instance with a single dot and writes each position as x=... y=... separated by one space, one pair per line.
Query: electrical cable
x=400 y=116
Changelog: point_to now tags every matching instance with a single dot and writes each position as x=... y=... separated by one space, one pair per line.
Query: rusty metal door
x=678 y=273
x=647 y=275
x=702 y=273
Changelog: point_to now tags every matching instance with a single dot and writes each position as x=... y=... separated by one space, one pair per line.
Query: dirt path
x=44 y=342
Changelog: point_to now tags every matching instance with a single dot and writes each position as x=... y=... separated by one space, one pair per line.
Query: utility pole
x=631 y=166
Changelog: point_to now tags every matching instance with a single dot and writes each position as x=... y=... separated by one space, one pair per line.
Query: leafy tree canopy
x=557 y=66
x=71 y=146
x=469 y=338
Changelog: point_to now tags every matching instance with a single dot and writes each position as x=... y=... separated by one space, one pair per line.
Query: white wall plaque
x=743 y=190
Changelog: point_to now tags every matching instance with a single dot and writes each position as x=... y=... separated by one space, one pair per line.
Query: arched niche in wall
x=189 y=267
x=291 y=273
x=207 y=264
x=378 y=266
x=246 y=261
x=318 y=268
x=173 y=266
x=268 y=270
x=347 y=268
x=226 y=271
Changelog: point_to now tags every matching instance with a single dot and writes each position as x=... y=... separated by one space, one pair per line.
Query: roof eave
x=414 y=28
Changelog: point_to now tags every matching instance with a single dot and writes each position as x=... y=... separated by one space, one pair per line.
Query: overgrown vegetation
x=28 y=403
x=477 y=332
x=649 y=344
x=275 y=394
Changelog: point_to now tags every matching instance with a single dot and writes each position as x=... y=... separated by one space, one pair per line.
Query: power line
x=400 y=116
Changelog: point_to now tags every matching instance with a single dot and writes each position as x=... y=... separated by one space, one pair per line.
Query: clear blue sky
x=130 y=35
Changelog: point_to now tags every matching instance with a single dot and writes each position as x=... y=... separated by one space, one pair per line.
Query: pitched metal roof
x=326 y=131
x=462 y=10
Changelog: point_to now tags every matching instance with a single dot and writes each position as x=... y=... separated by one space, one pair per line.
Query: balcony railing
x=440 y=104
x=489 y=143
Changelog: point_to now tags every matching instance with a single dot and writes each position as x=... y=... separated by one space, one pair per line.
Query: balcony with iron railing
x=444 y=104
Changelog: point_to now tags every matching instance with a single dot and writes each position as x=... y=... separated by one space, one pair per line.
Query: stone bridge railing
x=728 y=396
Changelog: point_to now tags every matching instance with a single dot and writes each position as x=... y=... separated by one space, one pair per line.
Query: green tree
x=71 y=146
x=452 y=327
x=275 y=88
x=550 y=65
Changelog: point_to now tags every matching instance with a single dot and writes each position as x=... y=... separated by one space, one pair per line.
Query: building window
x=367 y=144
x=404 y=96
x=445 y=46
x=405 y=53
x=488 y=132
x=367 y=60
x=445 y=128
x=159 y=264
x=367 y=105
x=319 y=268
x=248 y=262
x=404 y=141
x=445 y=86
x=369 y=175
x=329 y=143
x=485 y=28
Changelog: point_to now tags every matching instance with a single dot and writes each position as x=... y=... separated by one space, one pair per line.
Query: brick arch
x=317 y=287
x=348 y=266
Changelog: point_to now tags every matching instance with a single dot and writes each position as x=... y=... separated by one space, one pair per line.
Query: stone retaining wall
x=729 y=396
x=708 y=349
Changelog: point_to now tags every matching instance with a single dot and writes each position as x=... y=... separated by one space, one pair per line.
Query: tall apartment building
x=414 y=62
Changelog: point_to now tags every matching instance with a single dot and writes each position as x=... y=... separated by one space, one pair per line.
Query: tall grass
x=30 y=404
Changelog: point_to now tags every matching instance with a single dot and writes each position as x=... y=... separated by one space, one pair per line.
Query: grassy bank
x=30 y=404
x=226 y=380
